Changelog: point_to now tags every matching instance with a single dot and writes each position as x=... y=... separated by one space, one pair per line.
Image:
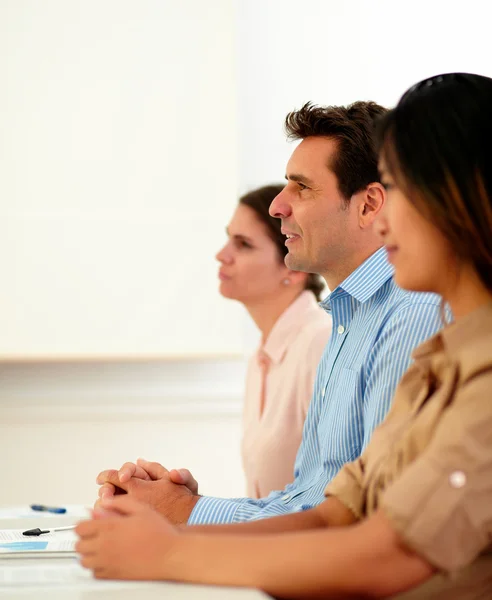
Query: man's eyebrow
x=299 y=179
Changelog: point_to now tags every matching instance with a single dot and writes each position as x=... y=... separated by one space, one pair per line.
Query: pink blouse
x=279 y=386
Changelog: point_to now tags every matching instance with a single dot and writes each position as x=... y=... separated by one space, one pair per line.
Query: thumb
x=121 y=505
x=154 y=469
x=184 y=477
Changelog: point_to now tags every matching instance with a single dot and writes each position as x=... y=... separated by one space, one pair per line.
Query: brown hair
x=259 y=200
x=436 y=145
x=356 y=162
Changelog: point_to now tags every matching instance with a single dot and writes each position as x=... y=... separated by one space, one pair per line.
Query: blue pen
x=51 y=509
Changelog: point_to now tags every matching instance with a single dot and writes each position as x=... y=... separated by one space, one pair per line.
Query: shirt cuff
x=209 y=510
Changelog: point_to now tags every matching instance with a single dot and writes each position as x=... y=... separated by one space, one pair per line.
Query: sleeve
x=318 y=339
x=390 y=357
x=441 y=505
x=347 y=486
x=210 y=510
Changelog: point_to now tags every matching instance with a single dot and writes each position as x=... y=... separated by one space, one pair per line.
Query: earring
x=286 y=281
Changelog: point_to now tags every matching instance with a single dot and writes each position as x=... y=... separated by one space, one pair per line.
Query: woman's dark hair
x=436 y=145
x=259 y=201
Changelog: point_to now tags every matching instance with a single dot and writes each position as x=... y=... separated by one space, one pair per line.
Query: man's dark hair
x=356 y=161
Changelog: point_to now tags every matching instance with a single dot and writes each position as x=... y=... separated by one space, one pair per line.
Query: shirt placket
x=264 y=362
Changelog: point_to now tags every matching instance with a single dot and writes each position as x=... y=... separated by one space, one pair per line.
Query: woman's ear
x=371 y=204
x=296 y=277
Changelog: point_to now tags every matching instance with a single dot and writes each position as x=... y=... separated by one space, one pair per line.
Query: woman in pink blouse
x=294 y=331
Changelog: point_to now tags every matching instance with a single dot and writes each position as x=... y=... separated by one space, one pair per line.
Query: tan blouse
x=428 y=466
x=279 y=386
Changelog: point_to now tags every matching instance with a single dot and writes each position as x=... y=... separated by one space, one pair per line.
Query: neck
x=266 y=312
x=467 y=294
x=344 y=268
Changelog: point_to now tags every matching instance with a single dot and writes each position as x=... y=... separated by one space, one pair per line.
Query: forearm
x=328 y=514
x=342 y=562
x=285 y=523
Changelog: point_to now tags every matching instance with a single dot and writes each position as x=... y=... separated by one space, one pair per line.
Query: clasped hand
x=173 y=493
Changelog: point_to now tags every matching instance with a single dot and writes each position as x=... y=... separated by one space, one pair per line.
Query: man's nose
x=280 y=207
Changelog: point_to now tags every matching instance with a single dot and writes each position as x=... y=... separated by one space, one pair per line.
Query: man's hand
x=125 y=540
x=152 y=484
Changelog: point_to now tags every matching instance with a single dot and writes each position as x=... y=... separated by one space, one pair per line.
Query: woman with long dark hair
x=412 y=516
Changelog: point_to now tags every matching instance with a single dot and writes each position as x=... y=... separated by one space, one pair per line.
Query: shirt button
x=457 y=479
x=341 y=329
x=286 y=497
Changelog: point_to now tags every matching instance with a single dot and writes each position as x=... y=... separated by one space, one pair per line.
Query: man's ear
x=371 y=202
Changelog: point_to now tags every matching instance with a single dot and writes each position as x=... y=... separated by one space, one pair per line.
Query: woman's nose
x=224 y=256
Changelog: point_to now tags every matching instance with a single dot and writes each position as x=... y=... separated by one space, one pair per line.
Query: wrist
x=182 y=509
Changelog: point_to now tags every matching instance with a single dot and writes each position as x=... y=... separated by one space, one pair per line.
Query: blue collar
x=365 y=281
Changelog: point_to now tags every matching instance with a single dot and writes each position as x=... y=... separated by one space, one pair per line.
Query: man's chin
x=296 y=263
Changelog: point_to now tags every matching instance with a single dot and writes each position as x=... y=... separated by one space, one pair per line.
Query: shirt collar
x=288 y=324
x=365 y=281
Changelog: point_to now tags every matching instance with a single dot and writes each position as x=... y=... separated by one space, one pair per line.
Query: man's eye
x=301 y=186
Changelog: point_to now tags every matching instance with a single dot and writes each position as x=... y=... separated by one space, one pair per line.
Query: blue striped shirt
x=376 y=325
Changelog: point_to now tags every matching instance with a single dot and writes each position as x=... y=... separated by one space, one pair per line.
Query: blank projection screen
x=118 y=151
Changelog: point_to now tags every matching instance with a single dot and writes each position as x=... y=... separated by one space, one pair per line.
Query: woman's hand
x=126 y=540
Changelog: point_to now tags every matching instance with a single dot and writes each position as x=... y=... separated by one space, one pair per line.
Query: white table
x=79 y=585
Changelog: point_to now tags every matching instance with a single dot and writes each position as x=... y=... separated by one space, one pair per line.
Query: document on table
x=13 y=544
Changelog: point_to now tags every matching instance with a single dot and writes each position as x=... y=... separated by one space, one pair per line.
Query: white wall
x=119 y=170
x=335 y=52
x=61 y=423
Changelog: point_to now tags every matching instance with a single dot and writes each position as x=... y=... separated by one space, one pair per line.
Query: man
x=327 y=208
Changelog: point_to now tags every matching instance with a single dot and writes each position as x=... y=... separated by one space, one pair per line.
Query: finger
x=87 y=529
x=106 y=490
x=184 y=477
x=154 y=469
x=100 y=572
x=103 y=513
x=123 y=505
x=85 y=547
x=112 y=478
x=129 y=470
x=88 y=561
x=110 y=475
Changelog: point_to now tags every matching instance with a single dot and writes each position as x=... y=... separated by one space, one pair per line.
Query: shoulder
x=309 y=338
x=400 y=299
x=315 y=328
x=410 y=308
x=474 y=356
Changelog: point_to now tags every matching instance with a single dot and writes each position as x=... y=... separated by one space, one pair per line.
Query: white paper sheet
x=13 y=543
